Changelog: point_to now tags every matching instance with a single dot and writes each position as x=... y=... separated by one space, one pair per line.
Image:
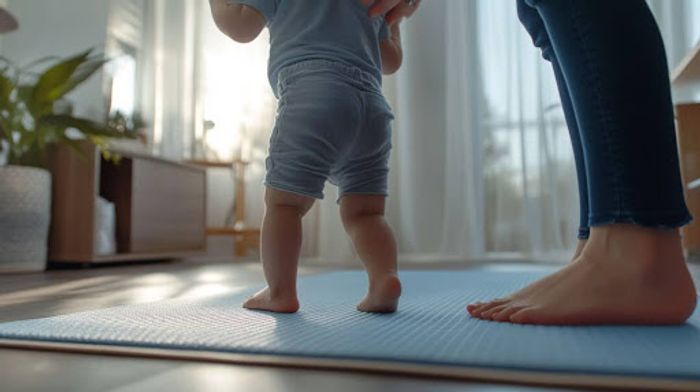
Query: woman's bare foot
x=383 y=295
x=487 y=309
x=626 y=275
x=278 y=303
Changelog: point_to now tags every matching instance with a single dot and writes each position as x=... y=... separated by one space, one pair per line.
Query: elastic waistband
x=356 y=75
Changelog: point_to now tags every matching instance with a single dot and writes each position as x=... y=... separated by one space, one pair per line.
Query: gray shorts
x=333 y=124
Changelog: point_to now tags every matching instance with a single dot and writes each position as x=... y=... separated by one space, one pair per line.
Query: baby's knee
x=354 y=209
x=277 y=199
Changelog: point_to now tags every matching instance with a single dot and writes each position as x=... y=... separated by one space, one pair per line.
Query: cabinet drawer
x=168 y=207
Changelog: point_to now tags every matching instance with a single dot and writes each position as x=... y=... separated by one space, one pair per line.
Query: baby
x=326 y=63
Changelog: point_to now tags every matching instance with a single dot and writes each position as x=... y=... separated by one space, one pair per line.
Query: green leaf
x=52 y=80
x=86 y=127
x=83 y=73
x=24 y=93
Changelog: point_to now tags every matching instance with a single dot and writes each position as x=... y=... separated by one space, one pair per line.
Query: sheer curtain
x=437 y=188
x=168 y=75
x=529 y=174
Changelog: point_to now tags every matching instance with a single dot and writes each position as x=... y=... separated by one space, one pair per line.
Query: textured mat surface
x=431 y=327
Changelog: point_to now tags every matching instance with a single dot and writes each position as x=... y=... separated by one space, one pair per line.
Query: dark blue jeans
x=610 y=66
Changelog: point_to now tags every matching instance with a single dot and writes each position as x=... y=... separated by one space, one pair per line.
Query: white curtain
x=529 y=174
x=169 y=75
x=437 y=149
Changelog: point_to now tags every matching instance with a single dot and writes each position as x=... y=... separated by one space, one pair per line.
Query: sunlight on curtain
x=531 y=199
x=124 y=46
x=482 y=161
x=237 y=101
x=167 y=75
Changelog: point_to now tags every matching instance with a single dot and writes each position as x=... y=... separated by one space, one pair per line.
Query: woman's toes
x=487 y=306
x=506 y=312
x=488 y=315
x=527 y=315
x=492 y=305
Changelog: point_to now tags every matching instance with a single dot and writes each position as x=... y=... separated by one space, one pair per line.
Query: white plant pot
x=25 y=214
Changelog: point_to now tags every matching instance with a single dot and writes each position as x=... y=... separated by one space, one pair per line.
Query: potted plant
x=33 y=116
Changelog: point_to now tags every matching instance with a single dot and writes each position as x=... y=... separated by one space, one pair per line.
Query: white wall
x=61 y=28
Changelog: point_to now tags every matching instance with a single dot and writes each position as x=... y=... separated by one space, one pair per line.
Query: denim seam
x=676 y=218
x=342 y=194
x=282 y=109
x=360 y=124
x=604 y=117
x=293 y=189
x=359 y=77
x=625 y=213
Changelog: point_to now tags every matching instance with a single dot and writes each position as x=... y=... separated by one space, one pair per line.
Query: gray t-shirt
x=334 y=30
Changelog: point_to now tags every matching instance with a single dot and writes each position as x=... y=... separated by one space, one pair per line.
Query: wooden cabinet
x=160 y=206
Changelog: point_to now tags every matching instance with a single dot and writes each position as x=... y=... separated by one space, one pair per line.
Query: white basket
x=25 y=214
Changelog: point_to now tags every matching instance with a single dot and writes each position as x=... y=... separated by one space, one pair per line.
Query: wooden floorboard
x=68 y=291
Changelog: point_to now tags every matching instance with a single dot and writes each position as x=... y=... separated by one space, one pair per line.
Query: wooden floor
x=68 y=291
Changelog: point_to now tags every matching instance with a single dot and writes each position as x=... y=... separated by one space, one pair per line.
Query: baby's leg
x=280 y=247
x=363 y=218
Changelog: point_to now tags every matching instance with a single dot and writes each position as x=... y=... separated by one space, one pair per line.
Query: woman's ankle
x=625 y=241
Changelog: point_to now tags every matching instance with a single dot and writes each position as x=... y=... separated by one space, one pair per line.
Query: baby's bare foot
x=383 y=296
x=279 y=304
x=629 y=276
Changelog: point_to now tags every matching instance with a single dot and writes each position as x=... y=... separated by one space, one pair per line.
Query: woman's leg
x=632 y=269
x=533 y=23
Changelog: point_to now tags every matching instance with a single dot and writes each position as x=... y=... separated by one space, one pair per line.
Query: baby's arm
x=240 y=22
x=392 y=54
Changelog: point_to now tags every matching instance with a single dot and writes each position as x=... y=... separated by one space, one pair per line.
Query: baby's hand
x=394 y=10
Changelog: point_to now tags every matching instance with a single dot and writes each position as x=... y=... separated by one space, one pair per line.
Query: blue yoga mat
x=431 y=330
